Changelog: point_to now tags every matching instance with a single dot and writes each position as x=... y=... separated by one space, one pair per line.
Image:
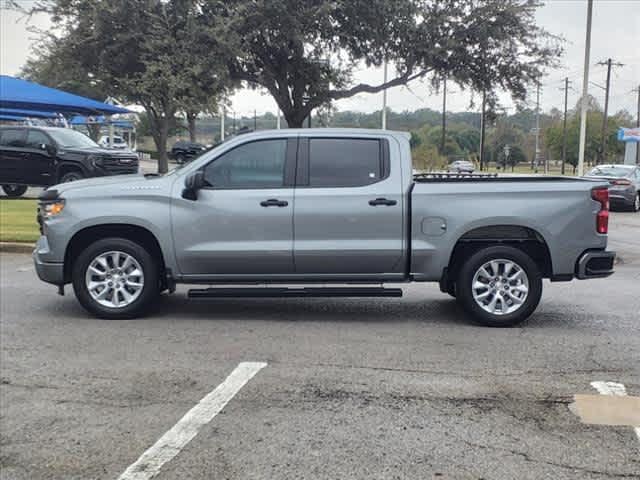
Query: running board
x=272 y=292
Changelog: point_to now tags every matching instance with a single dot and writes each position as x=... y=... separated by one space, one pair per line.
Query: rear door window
x=12 y=138
x=344 y=162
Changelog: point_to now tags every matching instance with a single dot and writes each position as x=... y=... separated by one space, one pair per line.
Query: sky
x=615 y=34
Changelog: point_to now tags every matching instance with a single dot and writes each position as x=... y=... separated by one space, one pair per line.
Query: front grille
x=120 y=164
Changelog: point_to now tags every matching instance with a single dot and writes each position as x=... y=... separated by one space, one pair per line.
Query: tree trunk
x=160 y=133
x=161 y=145
x=191 y=124
x=295 y=117
x=94 y=131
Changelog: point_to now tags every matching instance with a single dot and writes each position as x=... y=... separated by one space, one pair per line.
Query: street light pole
x=564 y=125
x=384 y=99
x=536 y=155
x=585 y=91
x=444 y=116
x=222 y=115
x=482 y=128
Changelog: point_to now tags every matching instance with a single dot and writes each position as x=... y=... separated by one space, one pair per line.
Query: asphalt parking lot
x=370 y=389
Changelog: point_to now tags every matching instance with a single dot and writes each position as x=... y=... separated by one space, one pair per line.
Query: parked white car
x=118 y=142
x=461 y=166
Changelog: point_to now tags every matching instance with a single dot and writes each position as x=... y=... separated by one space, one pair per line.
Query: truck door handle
x=382 y=201
x=274 y=202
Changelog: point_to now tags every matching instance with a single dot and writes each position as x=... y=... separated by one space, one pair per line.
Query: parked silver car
x=625 y=184
x=461 y=166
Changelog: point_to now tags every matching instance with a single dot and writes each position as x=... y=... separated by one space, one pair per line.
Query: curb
x=16 y=247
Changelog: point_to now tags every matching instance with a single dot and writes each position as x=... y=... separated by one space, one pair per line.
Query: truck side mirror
x=194 y=182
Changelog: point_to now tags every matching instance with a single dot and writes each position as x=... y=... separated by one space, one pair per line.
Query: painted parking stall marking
x=174 y=440
x=612 y=388
x=612 y=407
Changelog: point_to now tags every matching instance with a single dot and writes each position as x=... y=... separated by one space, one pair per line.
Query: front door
x=349 y=208
x=39 y=165
x=242 y=221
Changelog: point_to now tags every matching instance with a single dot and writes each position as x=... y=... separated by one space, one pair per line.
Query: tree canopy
x=305 y=52
x=150 y=52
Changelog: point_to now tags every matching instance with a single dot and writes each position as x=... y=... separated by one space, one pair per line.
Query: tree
x=505 y=134
x=150 y=52
x=305 y=52
x=553 y=137
x=55 y=67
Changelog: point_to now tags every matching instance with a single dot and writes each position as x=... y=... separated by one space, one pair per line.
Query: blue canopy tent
x=14 y=112
x=16 y=93
x=100 y=120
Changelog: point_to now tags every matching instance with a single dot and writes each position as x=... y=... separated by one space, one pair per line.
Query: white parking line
x=172 y=442
x=613 y=388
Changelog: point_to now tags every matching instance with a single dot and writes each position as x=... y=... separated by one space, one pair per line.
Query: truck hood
x=110 y=185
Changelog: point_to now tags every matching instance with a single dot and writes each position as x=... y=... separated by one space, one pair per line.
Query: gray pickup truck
x=338 y=210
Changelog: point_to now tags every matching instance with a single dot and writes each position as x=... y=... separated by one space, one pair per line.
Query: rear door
x=39 y=164
x=12 y=153
x=348 y=217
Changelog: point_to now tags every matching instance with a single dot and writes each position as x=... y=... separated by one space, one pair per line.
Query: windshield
x=70 y=138
x=609 y=172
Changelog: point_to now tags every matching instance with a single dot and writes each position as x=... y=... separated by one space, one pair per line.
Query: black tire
x=71 y=176
x=151 y=286
x=180 y=159
x=466 y=275
x=13 y=190
x=635 y=206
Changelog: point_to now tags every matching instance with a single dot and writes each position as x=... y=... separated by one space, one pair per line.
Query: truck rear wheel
x=115 y=278
x=499 y=286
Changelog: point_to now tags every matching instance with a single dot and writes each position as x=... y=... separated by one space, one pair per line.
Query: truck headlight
x=51 y=209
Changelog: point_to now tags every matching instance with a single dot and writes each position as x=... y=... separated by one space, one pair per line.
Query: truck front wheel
x=499 y=286
x=116 y=278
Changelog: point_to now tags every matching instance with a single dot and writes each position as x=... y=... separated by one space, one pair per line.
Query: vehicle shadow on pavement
x=443 y=311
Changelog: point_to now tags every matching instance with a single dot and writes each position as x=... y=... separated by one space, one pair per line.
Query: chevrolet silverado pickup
x=339 y=211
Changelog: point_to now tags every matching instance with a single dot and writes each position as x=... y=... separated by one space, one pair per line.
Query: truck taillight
x=602 y=218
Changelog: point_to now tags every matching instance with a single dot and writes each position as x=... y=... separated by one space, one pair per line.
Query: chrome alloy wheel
x=114 y=279
x=500 y=287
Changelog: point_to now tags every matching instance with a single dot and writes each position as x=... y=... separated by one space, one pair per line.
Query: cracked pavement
x=354 y=388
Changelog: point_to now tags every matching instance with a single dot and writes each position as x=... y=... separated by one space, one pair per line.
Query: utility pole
x=222 y=114
x=603 y=145
x=564 y=125
x=482 y=128
x=444 y=116
x=255 y=120
x=638 y=126
x=534 y=161
x=585 y=91
x=278 y=119
x=384 y=99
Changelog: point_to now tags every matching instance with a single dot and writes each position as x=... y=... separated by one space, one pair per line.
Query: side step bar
x=271 y=292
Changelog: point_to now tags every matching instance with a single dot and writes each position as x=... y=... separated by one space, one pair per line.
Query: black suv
x=44 y=156
x=184 y=151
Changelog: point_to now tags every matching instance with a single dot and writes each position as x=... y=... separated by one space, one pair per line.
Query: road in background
x=354 y=388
